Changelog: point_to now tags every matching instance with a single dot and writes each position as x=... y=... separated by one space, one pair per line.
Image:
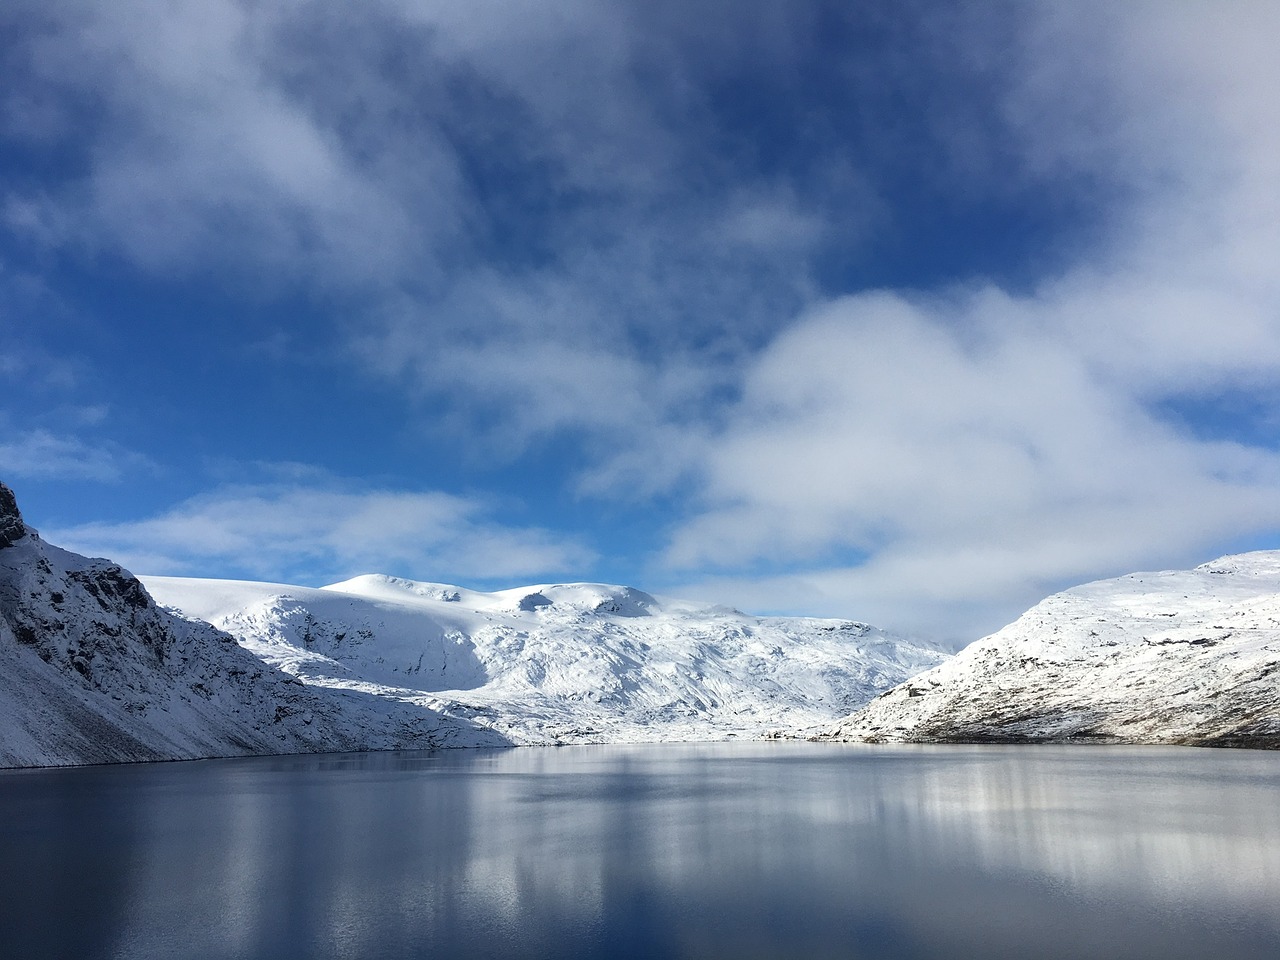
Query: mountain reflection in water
x=748 y=850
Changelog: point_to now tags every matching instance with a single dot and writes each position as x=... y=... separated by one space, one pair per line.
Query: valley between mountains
x=99 y=666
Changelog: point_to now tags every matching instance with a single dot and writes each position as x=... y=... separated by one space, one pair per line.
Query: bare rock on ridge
x=12 y=529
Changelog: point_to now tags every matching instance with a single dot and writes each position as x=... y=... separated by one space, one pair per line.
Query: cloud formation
x=898 y=311
x=955 y=450
x=975 y=447
x=317 y=532
x=42 y=455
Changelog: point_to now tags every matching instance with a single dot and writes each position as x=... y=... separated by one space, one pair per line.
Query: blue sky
x=894 y=311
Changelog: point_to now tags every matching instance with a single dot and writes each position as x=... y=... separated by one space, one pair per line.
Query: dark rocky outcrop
x=12 y=529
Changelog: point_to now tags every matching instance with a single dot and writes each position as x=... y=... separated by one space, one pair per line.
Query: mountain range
x=97 y=665
x=559 y=663
x=92 y=669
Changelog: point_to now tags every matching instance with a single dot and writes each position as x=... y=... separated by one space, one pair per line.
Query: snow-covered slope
x=92 y=671
x=558 y=663
x=1176 y=657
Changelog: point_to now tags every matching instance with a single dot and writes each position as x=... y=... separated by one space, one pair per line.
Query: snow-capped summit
x=380 y=586
x=574 y=598
x=1190 y=656
x=551 y=663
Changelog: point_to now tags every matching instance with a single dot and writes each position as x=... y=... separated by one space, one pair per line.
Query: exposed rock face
x=92 y=671
x=1189 y=657
x=12 y=529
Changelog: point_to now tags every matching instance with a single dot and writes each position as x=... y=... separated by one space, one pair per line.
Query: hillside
x=92 y=671
x=1189 y=657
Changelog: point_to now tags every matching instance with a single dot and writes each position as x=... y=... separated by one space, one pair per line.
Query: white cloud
x=42 y=455
x=771 y=223
x=314 y=533
x=966 y=456
x=355 y=146
x=201 y=153
x=975 y=448
x=930 y=458
x=550 y=356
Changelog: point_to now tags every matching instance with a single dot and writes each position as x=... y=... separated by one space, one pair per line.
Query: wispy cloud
x=314 y=533
x=42 y=455
x=199 y=149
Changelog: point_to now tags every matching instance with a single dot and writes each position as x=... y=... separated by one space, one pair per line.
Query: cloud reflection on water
x=724 y=850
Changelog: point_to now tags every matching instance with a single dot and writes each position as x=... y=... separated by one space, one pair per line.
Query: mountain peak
x=12 y=529
x=581 y=598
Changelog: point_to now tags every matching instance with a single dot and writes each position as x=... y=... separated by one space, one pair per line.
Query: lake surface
x=737 y=851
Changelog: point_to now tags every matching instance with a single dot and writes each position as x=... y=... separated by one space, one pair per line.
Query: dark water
x=778 y=850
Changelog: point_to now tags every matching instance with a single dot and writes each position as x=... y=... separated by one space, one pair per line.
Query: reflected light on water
x=670 y=851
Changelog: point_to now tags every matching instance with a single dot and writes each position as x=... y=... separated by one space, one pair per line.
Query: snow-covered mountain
x=92 y=671
x=558 y=663
x=1187 y=656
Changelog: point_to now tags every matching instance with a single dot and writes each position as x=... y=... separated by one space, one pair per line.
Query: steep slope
x=92 y=671
x=559 y=663
x=1187 y=657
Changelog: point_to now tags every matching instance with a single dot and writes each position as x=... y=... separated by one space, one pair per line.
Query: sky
x=908 y=312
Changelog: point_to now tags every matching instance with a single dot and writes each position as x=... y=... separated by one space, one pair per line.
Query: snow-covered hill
x=92 y=671
x=558 y=663
x=1175 y=657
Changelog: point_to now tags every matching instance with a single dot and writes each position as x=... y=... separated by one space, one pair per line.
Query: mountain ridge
x=559 y=662
x=94 y=670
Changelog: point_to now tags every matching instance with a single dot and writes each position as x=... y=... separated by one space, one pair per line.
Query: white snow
x=92 y=671
x=558 y=663
x=1188 y=656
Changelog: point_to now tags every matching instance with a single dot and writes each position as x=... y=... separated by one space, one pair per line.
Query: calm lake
x=741 y=851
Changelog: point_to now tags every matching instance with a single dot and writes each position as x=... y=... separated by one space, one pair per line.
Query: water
x=742 y=851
